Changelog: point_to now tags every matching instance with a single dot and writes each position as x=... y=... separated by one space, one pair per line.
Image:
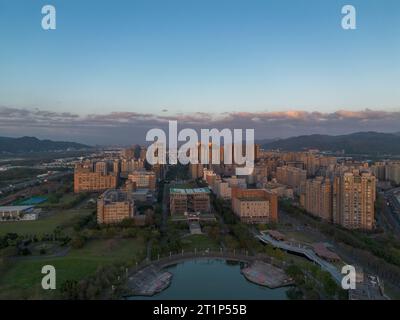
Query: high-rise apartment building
x=196 y=170
x=101 y=167
x=354 y=200
x=392 y=172
x=117 y=167
x=318 y=198
x=379 y=170
x=291 y=176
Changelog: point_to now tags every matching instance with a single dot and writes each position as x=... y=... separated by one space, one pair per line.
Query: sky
x=113 y=69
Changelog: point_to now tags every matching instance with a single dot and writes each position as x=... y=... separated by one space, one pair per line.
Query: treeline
x=382 y=246
x=379 y=266
x=12 y=244
x=312 y=283
x=108 y=282
x=239 y=231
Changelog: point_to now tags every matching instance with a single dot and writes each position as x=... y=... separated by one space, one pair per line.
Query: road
x=164 y=213
x=391 y=210
x=33 y=182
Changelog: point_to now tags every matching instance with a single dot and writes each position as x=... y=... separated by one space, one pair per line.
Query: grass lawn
x=22 y=280
x=391 y=291
x=199 y=241
x=42 y=225
x=66 y=198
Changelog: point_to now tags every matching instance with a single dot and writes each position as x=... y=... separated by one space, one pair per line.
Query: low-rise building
x=143 y=179
x=189 y=200
x=281 y=190
x=113 y=206
x=223 y=190
x=87 y=179
x=18 y=213
x=255 y=205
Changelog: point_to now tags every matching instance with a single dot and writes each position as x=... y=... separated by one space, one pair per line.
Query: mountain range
x=32 y=144
x=369 y=143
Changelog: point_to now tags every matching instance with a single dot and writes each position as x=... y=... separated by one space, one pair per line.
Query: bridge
x=232 y=255
x=305 y=251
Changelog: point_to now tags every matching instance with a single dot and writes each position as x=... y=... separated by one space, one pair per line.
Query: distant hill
x=372 y=143
x=32 y=144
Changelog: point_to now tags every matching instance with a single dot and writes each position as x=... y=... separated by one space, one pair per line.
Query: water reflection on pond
x=214 y=279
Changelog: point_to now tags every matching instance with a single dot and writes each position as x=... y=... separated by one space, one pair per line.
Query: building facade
x=255 y=205
x=143 y=179
x=189 y=200
x=87 y=180
x=353 y=204
x=291 y=176
x=113 y=206
x=318 y=198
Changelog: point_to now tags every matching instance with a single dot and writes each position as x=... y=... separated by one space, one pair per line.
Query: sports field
x=42 y=225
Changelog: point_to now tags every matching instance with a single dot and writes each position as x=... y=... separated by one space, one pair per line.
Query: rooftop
x=321 y=250
x=189 y=191
x=15 y=208
x=245 y=198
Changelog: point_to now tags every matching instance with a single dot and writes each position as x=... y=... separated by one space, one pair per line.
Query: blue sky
x=214 y=56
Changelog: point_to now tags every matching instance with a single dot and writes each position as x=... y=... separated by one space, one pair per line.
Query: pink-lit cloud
x=131 y=127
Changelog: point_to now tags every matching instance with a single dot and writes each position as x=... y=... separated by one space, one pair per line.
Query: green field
x=42 y=225
x=22 y=278
x=199 y=242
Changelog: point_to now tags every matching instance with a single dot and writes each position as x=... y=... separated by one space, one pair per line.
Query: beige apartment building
x=392 y=172
x=281 y=190
x=354 y=200
x=223 y=190
x=101 y=167
x=318 y=198
x=113 y=206
x=196 y=170
x=130 y=165
x=255 y=205
x=86 y=180
x=291 y=176
x=143 y=179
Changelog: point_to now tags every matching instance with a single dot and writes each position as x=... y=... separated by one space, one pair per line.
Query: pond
x=213 y=279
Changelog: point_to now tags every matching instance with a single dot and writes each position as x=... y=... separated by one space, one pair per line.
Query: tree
x=70 y=290
x=78 y=242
